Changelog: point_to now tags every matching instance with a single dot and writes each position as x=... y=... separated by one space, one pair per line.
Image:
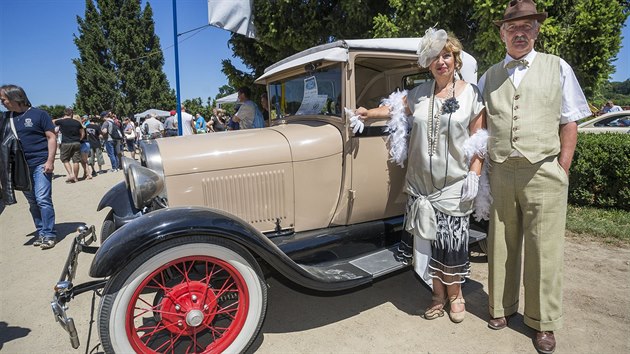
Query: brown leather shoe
x=545 y=342
x=499 y=322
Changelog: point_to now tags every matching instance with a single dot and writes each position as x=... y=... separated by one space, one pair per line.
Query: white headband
x=430 y=46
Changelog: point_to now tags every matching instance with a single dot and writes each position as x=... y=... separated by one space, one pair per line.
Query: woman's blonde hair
x=455 y=46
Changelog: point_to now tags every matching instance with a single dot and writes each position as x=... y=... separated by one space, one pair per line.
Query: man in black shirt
x=71 y=135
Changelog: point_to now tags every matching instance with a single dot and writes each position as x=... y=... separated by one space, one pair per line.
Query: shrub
x=600 y=173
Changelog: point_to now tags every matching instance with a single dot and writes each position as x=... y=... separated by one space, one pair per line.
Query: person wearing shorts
x=72 y=133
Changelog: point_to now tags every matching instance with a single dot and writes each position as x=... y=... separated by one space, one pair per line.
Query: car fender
x=150 y=229
x=119 y=199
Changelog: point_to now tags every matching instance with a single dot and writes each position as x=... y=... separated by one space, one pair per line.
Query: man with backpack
x=113 y=138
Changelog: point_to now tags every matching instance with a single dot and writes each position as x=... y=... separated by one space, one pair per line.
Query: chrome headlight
x=144 y=185
x=126 y=162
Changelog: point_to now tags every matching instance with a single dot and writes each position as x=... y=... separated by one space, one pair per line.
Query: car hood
x=246 y=148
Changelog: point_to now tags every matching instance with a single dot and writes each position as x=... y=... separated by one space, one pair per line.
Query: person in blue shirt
x=200 y=124
x=36 y=131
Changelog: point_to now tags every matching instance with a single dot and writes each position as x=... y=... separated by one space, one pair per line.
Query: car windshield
x=615 y=121
x=317 y=91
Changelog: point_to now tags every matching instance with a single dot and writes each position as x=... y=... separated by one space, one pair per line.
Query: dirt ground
x=383 y=317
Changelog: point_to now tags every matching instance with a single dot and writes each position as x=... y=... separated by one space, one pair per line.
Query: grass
x=608 y=225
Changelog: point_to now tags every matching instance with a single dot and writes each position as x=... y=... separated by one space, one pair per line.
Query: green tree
x=159 y=94
x=132 y=59
x=586 y=33
x=55 y=111
x=96 y=76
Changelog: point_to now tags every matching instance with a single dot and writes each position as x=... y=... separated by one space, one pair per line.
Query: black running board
x=363 y=267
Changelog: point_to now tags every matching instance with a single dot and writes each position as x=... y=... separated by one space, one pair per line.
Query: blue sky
x=36 y=37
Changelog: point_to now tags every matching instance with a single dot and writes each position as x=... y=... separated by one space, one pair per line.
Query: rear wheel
x=191 y=294
x=483 y=245
x=108 y=226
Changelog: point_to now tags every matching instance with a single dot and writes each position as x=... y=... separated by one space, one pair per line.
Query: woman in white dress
x=438 y=124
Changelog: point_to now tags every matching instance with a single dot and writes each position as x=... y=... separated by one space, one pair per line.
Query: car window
x=411 y=81
x=615 y=121
x=316 y=91
x=377 y=77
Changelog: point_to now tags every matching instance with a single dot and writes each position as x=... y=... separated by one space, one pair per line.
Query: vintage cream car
x=194 y=225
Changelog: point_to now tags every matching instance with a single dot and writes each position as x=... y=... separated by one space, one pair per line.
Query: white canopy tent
x=233 y=98
x=157 y=112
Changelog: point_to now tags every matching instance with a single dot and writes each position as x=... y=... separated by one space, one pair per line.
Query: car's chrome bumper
x=65 y=290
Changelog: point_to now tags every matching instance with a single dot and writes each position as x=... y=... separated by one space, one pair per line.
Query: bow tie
x=514 y=63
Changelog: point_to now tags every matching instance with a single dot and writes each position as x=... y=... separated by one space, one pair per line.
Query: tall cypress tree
x=133 y=60
x=158 y=93
x=96 y=77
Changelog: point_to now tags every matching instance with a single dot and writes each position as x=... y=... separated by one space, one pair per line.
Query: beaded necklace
x=449 y=106
x=433 y=125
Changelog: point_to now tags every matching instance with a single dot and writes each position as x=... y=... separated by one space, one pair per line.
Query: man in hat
x=170 y=124
x=533 y=102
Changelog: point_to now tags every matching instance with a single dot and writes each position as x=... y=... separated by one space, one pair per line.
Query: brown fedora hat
x=521 y=10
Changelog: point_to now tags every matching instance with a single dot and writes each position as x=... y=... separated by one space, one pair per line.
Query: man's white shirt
x=574 y=104
x=186 y=127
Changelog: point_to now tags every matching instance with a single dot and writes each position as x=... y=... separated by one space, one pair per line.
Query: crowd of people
x=455 y=134
x=248 y=116
x=81 y=142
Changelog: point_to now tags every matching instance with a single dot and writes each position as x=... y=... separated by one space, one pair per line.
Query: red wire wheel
x=194 y=304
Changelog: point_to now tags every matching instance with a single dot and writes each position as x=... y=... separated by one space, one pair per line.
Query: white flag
x=232 y=15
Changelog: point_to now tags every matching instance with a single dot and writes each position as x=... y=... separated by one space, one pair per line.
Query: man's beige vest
x=526 y=119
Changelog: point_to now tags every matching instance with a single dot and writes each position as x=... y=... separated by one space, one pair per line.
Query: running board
x=475 y=235
x=364 y=267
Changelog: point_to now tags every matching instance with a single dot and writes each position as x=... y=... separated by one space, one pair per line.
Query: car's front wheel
x=192 y=294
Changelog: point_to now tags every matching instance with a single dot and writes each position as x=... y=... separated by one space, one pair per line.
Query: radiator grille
x=254 y=197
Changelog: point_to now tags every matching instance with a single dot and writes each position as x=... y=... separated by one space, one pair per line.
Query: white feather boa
x=477 y=144
x=398 y=127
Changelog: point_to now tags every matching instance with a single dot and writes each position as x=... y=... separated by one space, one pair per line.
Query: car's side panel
x=260 y=195
x=317 y=185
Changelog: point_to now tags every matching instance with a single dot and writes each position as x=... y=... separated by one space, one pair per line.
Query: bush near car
x=600 y=173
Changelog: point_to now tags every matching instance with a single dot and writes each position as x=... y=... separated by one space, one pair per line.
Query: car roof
x=339 y=51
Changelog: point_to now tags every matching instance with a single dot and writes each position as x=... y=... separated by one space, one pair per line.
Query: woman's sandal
x=457 y=317
x=436 y=309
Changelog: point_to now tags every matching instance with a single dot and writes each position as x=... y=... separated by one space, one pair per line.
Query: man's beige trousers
x=528 y=218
